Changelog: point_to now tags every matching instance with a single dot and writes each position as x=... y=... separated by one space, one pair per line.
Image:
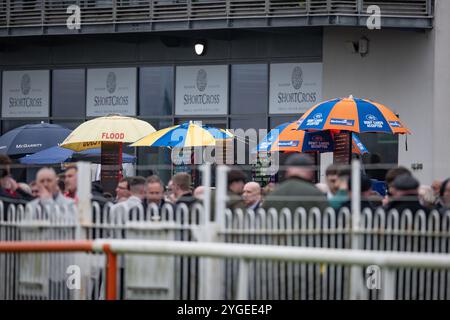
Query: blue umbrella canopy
x=32 y=138
x=58 y=155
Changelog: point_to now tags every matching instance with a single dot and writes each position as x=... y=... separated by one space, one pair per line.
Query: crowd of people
x=403 y=190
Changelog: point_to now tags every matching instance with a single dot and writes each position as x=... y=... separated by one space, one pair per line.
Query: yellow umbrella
x=114 y=128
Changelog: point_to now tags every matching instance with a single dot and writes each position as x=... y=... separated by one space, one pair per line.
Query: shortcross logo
x=25 y=84
x=111 y=81
x=316 y=120
x=374 y=20
x=297 y=78
x=373 y=281
x=73 y=22
x=373 y=122
x=202 y=80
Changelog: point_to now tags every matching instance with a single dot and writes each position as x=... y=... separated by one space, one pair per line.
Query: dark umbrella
x=32 y=138
x=58 y=155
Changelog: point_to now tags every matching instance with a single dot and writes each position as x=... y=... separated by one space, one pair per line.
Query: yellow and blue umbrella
x=352 y=114
x=286 y=138
x=188 y=134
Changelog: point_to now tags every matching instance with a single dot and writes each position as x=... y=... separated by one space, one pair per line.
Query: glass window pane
x=155 y=160
x=276 y=121
x=249 y=88
x=155 y=91
x=72 y=124
x=68 y=93
x=251 y=139
x=8 y=125
x=383 y=150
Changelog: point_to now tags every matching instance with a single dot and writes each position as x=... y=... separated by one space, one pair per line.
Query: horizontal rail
x=46 y=13
x=238 y=251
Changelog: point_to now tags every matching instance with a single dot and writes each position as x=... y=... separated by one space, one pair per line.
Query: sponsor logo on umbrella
x=26 y=145
x=288 y=143
x=25 y=84
x=113 y=135
x=342 y=122
x=317 y=142
x=373 y=122
x=316 y=120
x=202 y=80
x=297 y=78
x=111 y=82
x=395 y=124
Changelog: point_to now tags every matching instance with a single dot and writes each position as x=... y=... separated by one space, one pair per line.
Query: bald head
x=47 y=178
x=251 y=194
x=198 y=192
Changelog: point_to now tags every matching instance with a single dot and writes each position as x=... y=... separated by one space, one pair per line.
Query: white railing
x=21 y=13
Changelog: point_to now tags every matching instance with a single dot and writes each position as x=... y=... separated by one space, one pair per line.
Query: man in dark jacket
x=182 y=189
x=405 y=195
x=298 y=189
x=155 y=191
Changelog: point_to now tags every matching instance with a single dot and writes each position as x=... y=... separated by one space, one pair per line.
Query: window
x=155 y=160
x=249 y=88
x=68 y=93
x=156 y=91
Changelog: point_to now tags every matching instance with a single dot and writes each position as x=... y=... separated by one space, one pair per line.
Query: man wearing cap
x=298 y=190
x=405 y=195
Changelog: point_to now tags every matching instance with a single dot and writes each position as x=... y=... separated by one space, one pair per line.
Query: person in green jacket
x=298 y=189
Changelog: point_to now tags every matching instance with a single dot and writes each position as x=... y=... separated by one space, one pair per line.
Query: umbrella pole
x=111 y=162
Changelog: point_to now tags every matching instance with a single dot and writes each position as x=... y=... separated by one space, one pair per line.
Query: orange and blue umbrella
x=286 y=138
x=352 y=114
x=357 y=146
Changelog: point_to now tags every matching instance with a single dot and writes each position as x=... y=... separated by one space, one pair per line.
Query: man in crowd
x=236 y=182
x=169 y=196
x=155 y=191
x=9 y=188
x=49 y=194
x=390 y=177
x=331 y=175
x=70 y=181
x=137 y=195
x=181 y=188
x=122 y=190
x=298 y=189
x=252 y=195
x=405 y=195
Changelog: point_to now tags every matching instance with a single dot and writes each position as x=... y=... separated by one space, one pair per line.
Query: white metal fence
x=43 y=276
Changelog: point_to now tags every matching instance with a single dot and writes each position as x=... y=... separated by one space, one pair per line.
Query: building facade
x=265 y=63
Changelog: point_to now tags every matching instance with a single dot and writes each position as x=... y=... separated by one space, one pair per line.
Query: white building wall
x=398 y=72
x=441 y=117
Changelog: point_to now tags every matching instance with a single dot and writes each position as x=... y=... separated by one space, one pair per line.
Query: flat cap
x=405 y=182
